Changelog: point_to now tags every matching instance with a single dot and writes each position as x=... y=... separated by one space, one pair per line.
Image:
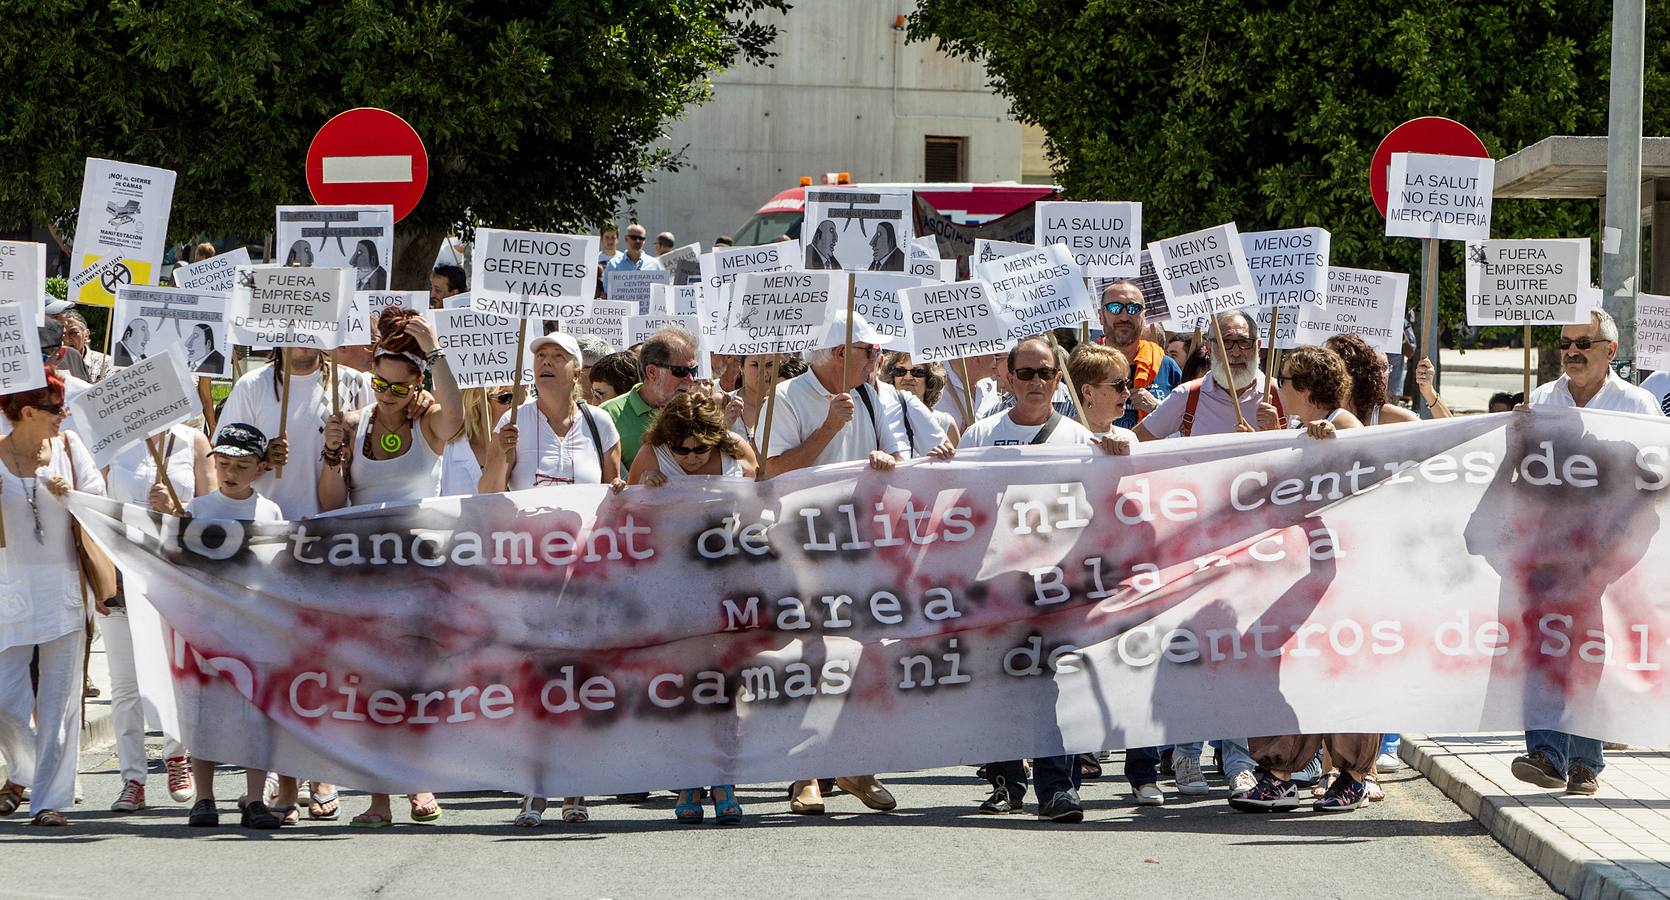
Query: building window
x=944 y=158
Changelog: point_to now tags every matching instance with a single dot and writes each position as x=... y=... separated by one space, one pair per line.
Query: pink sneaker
x=131 y=799
x=181 y=787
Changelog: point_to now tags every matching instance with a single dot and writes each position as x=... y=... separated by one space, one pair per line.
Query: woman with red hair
x=41 y=601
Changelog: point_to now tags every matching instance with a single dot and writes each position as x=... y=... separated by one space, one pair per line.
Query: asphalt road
x=1416 y=843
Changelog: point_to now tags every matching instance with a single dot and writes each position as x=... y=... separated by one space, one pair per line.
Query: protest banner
x=1439 y=197
x=285 y=306
x=152 y=320
x=781 y=312
x=217 y=273
x=683 y=264
x=1205 y=272
x=956 y=240
x=133 y=404
x=1103 y=237
x=856 y=229
x=23 y=276
x=1038 y=290
x=875 y=296
x=607 y=321
x=533 y=275
x=481 y=348
x=1526 y=282
x=358 y=238
x=634 y=286
x=20 y=348
x=363 y=308
x=570 y=640
x=123 y=214
x=1362 y=302
x=107 y=273
x=1652 y=332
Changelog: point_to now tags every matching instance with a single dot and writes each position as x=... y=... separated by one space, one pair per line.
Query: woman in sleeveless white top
x=1315 y=389
x=132 y=478
x=392 y=457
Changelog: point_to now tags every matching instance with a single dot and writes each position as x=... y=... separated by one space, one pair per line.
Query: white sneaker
x=1150 y=795
x=1387 y=762
x=1190 y=782
x=1242 y=783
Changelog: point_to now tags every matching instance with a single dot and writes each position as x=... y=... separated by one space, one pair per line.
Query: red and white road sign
x=1428 y=134
x=367 y=156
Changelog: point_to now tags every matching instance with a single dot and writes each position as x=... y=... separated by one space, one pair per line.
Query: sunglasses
x=1582 y=343
x=869 y=352
x=51 y=409
x=1045 y=373
x=504 y=398
x=679 y=371
x=635 y=237
x=681 y=450
x=1114 y=308
x=390 y=387
x=1119 y=384
x=920 y=372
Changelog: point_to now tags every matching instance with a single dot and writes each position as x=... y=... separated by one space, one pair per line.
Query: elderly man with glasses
x=667 y=366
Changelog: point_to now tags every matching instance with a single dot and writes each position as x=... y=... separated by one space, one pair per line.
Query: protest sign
x=986 y=251
x=20 y=348
x=1038 y=290
x=1652 y=332
x=875 y=296
x=1287 y=325
x=217 y=273
x=1103 y=237
x=634 y=286
x=283 y=306
x=1289 y=266
x=641 y=328
x=1204 y=273
x=23 y=276
x=951 y=321
x=533 y=275
x=357 y=238
x=123 y=214
x=1362 y=302
x=924 y=247
x=481 y=348
x=683 y=264
x=856 y=229
x=1528 y=282
x=1442 y=197
x=682 y=299
x=458 y=301
x=134 y=403
x=956 y=240
x=363 y=308
x=107 y=273
x=940 y=270
x=152 y=320
x=721 y=268
x=607 y=321
x=781 y=312
x=575 y=641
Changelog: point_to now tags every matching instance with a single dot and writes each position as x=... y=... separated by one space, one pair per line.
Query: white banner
x=1038 y=290
x=152 y=320
x=1205 y=272
x=951 y=321
x=1104 y=237
x=1362 y=302
x=123 y=213
x=134 y=404
x=782 y=312
x=1529 y=282
x=533 y=275
x=1290 y=266
x=357 y=238
x=21 y=368
x=1443 y=197
x=218 y=273
x=856 y=229
x=282 y=306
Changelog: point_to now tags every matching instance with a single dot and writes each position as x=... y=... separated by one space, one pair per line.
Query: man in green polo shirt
x=666 y=365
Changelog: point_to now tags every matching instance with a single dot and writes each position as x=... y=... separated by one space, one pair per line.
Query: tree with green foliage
x=536 y=115
x=1268 y=113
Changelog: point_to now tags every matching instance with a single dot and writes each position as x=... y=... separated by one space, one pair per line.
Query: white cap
x=835 y=331
x=561 y=339
x=54 y=306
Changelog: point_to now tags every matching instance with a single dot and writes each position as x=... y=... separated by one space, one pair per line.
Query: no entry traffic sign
x=1428 y=134
x=367 y=156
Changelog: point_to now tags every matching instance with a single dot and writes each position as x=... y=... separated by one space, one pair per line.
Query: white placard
x=1444 y=197
x=533 y=275
x=1652 y=332
x=1528 y=282
x=124 y=213
x=925 y=247
x=724 y=265
x=607 y=321
x=677 y=299
x=458 y=301
x=151 y=320
x=683 y=264
x=1289 y=266
x=1287 y=326
x=951 y=321
x=283 y=306
x=1038 y=290
x=875 y=296
x=20 y=348
x=107 y=273
x=357 y=238
x=365 y=306
x=856 y=230
x=986 y=251
x=640 y=328
x=23 y=276
x=781 y=312
x=1104 y=237
x=218 y=273
x=481 y=349
x=1362 y=302
x=134 y=404
x=940 y=270
x=635 y=286
x=1204 y=273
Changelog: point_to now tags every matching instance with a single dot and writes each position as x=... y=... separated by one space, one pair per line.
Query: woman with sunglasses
x=392 y=458
x=926 y=382
x=689 y=441
x=41 y=601
x=466 y=453
x=1103 y=379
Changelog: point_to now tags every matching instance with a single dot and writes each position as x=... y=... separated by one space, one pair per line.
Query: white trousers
x=127 y=712
x=43 y=757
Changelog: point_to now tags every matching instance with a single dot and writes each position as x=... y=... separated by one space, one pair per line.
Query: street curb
x=98 y=728
x=1565 y=863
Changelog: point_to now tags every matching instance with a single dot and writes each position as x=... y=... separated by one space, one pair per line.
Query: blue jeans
x=1232 y=754
x=1564 y=749
x=1051 y=774
x=1142 y=766
x=1389 y=743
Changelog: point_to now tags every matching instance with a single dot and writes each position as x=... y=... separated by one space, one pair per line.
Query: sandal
x=425 y=812
x=370 y=819
x=726 y=811
x=50 y=818
x=11 y=797
x=574 y=811
x=1089 y=766
x=1371 y=789
x=528 y=817
x=324 y=807
x=689 y=808
x=1321 y=788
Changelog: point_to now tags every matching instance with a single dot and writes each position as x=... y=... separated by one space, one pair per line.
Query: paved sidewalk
x=1614 y=844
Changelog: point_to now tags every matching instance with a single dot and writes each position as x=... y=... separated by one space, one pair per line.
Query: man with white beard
x=1204 y=406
